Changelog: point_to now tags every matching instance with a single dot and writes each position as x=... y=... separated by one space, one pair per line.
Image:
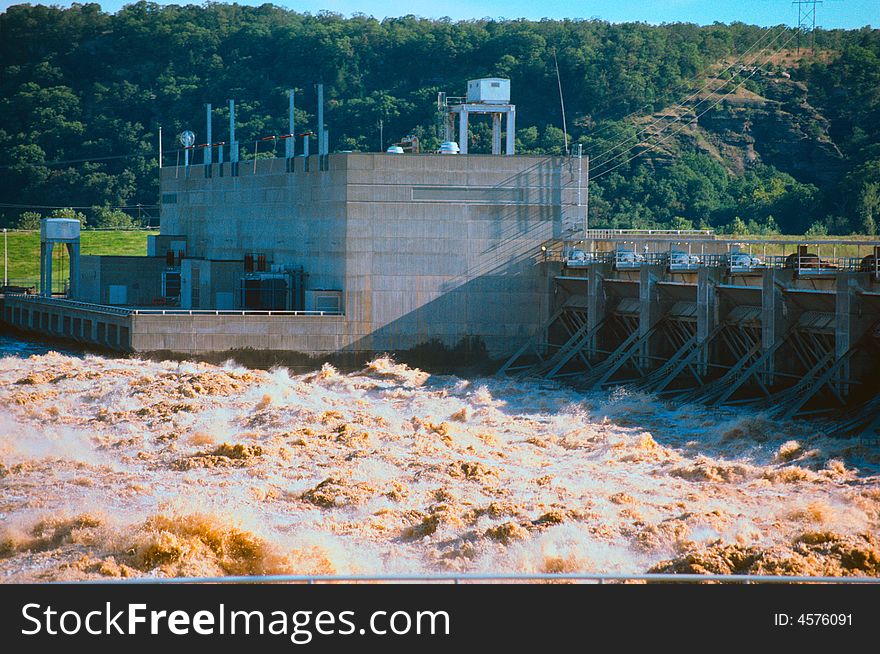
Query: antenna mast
x=561 y=101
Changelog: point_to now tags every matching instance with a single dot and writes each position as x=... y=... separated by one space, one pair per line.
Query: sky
x=830 y=14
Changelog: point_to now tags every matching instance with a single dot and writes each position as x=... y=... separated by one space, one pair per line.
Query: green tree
x=69 y=213
x=817 y=229
x=553 y=140
x=681 y=223
x=29 y=220
x=868 y=207
x=737 y=227
x=107 y=218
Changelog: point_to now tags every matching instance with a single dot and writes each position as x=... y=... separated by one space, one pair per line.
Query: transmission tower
x=806 y=21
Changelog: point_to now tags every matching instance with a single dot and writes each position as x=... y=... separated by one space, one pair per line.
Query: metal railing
x=803 y=265
x=230 y=312
x=126 y=311
x=87 y=228
x=607 y=234
x=73 y=304
x=494 y=578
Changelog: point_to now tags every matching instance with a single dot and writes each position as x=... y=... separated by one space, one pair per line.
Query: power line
x=657 y=121
x=9 y=205
x=669 y=136
x=61 y=162
x=754 y=64
x=696 y=93
x=685 y=85
x=666 y=138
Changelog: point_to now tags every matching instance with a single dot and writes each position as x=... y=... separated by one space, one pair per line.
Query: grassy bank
x=786 y=244
x=24 y=252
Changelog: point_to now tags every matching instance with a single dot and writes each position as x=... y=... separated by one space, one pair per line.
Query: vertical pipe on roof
x=496 y=133
x=463 y=131
x=233 y=144
x=511 y=130
x=321 y=119
x=290 y=143
x=209 y=149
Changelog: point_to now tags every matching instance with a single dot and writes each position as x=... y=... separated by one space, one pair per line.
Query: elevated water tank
x=59 y=229
x=489 y=90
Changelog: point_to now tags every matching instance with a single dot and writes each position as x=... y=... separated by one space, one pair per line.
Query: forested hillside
x=732 y=128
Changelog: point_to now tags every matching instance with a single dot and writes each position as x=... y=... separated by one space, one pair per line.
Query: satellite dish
x=187 y=139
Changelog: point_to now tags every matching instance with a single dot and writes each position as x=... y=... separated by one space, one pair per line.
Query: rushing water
x=114 y=467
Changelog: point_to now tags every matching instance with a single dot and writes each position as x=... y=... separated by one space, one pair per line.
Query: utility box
x=326 y=301
x=118 y=294
x=59 y=229
x=489 y=90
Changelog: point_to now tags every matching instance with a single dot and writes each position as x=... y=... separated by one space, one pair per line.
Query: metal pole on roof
x=561 y=101
x=209 y=147
x=233 y=144
x=587 y=190
x=290 y=144
x=321 y=119
x=580 y=174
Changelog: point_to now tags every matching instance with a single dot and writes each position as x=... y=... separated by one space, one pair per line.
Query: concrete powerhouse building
x=338 y=253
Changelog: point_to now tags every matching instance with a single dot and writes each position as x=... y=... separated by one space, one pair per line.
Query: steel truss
x=690 y=371
x=631 y=353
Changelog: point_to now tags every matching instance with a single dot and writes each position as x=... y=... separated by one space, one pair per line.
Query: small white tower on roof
x=489 y=95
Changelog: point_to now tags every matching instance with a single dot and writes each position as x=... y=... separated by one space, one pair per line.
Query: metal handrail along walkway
x=493 y=578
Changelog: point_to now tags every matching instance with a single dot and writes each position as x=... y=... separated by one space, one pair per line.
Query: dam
x=715 y=320
x=347 y=255
x=685 y=315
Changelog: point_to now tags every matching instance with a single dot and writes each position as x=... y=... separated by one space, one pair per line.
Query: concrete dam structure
x=354 y=254
x=349 y=253
x=701 y=319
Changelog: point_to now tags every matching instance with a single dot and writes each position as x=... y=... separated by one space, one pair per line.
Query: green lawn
x=24 y=253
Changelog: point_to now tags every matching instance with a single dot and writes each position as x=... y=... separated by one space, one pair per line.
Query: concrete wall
x=296 y=219
x=142 y=277
x=201 y=334
x=445 y=247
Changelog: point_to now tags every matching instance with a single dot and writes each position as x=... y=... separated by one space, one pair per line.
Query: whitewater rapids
x=125 y=467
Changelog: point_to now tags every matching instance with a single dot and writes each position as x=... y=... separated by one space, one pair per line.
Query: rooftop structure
x=484 y=96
